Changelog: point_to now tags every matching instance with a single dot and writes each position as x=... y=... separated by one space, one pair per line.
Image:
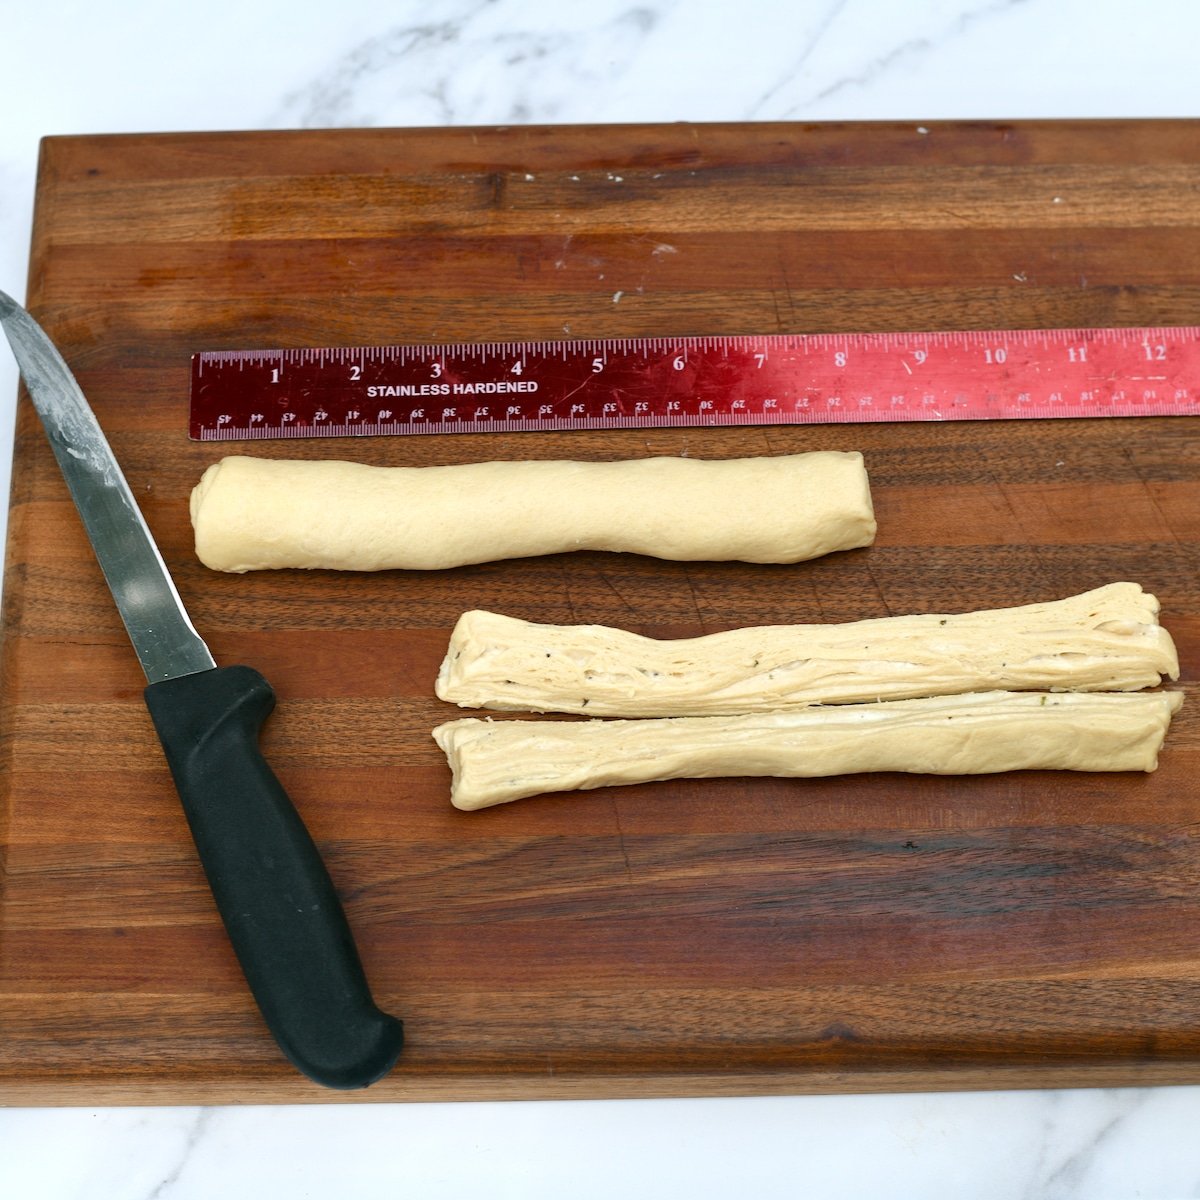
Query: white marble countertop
x=139 y=65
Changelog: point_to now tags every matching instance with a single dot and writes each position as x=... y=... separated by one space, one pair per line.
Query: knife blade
x=275 y=897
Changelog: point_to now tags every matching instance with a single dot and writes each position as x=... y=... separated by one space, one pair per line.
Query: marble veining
x=471 y=68
x=1073 y=1145
x=765 y=103
x=139 y=65
x=194 y=1134
x=1071 y=1141
x=925 y=29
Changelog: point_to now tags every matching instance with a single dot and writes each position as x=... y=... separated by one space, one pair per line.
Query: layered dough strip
x=497 y=761
x=1108 y=639
x=250 y=514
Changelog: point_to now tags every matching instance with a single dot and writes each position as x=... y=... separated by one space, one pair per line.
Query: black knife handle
x=272 y=889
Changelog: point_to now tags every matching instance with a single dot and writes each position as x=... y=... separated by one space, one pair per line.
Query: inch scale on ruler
x=641 y=382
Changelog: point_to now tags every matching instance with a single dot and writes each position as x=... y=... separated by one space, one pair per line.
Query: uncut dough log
x=494 y=762
x=1108 y=639
x=250 y=514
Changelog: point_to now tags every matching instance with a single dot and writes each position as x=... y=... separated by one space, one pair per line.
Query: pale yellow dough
x=1108 y=639
x=497 y=761
x=250 y=514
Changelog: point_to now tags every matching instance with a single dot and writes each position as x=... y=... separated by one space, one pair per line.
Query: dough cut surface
x=497 y=761
x=252 y=514
x=1108 y=639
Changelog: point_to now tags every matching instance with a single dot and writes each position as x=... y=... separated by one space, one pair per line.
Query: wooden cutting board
x=689 y=938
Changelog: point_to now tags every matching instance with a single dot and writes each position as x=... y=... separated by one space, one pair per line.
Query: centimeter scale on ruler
x=641 y=382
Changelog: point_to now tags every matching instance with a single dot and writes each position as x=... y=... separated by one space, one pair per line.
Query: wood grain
x=687 y=938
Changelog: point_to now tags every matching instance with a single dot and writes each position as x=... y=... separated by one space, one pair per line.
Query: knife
x=274 y=894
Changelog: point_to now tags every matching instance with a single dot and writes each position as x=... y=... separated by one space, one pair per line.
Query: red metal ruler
x=637 y=382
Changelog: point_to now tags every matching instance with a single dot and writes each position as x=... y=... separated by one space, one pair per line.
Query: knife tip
x=8 y=305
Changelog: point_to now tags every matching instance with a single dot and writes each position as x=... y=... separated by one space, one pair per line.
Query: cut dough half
x=250 y=514
x=1108 y=639
x=497 y=761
